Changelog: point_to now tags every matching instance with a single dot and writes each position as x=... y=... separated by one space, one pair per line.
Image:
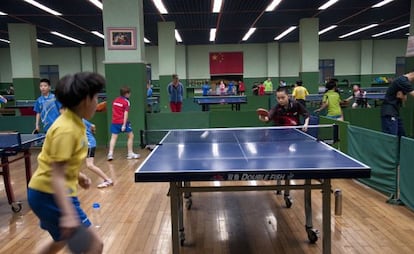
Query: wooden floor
x=136 y=218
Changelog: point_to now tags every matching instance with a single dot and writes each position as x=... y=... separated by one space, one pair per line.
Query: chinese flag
x=226 y=63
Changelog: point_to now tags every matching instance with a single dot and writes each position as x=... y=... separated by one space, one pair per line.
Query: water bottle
x=96 y=215
x=338 y=202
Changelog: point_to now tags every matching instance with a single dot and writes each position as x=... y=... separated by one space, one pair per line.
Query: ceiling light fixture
x=329 y=28
x=391 y=30
x=43 y=7
x=213 y=34
x=327 y=4
x=249 y=33
x=44 y=42
x=358 y=30
x=67 y=37
x=4 y=40
x=217 y=6
x=97 y=3
x=160 y=6
x=272 y=6
x=98 y=34
x=382 y=3
x=283 y=34
x=177 y=36
x=3 y=13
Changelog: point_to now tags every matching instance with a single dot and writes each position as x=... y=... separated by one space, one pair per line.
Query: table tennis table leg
x=28 y=165
x=6 y=179
x=312 y=233
x=174 y=203
x=287 y=197
x=326 y=216
x=187 y=196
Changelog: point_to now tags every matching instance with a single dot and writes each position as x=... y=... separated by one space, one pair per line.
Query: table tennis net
x=326 y=133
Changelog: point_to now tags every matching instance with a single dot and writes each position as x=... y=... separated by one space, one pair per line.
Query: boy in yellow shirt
x=300 y=92
x=52 y=192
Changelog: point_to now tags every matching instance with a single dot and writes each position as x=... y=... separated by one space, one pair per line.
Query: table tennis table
x=317 y=98
x=12 y=144
x=245 y=154
x=233 y=100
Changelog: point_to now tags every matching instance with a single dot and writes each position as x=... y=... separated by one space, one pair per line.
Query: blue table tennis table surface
x=255 y=153
x=218 y=99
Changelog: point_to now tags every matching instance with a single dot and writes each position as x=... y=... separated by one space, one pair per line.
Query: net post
x=335 y=133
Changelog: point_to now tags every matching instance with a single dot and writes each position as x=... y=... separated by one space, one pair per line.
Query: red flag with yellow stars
x=230 y=63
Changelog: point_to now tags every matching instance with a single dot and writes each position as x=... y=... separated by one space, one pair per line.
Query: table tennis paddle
x=262 y=112
x=80 y=240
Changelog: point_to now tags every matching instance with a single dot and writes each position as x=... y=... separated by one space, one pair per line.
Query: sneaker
x=110 y=157
x=133 y=156
x=105 y=184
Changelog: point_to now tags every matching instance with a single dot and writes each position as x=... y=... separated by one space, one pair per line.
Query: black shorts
x=91 y=152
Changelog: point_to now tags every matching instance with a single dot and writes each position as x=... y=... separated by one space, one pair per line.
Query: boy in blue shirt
x=90 y=130
x=47 y=108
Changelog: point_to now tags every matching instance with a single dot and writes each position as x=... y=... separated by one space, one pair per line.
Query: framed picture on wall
x=122 y=38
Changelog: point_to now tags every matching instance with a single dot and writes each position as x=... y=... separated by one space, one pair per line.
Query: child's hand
x=84 y=181
x=123 y=128
x=93 y=128
x=305 y=128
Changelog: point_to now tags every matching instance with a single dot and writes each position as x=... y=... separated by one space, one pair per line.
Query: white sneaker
x=133 y=156
x=110 y=157
x=105 y=184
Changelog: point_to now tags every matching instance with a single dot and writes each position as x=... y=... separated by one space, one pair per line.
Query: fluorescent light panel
x=217 y=6
x=43 y=7
x=3 y=13
x=382 y=3
x=391 y=30
x=358 y=30
x=98 y=34
x=286 y=32
x=177 y=36
x=44 y=42
x=272 y=6
x=249 y=33
x=4 y=40
x=213 y=34
x=67 y=37
x=329 y=28
x=160 y=6
x=327 y=4
x=97 y=3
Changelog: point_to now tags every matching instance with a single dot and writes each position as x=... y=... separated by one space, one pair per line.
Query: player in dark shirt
x=287 y=111
x=394 y=97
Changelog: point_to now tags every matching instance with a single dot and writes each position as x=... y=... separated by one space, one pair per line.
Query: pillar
x=366 y=62
x=309 y=53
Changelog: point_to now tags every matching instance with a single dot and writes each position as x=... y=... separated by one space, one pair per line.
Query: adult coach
x=394 y=97
x=175 y=94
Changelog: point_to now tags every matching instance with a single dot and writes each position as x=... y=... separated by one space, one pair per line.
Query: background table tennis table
x=11 y=144
x=233 y=100
x=316 y=99
x=245 y=154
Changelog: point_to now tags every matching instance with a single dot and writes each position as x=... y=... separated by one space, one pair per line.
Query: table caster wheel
x=289 y=202
x=182 y=237
x=16 y=207
x=188 y=203
x=312 y=235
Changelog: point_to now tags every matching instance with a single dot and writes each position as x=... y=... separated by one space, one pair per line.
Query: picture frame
x=122 y=38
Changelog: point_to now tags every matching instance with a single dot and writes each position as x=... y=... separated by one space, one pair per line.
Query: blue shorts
x=116 y=128
x=46 y=209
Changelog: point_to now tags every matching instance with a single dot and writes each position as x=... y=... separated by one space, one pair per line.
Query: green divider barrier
x=182 y=120
x=342 y=145
x=224 y=119
x=380 y=152
x=407 y=172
